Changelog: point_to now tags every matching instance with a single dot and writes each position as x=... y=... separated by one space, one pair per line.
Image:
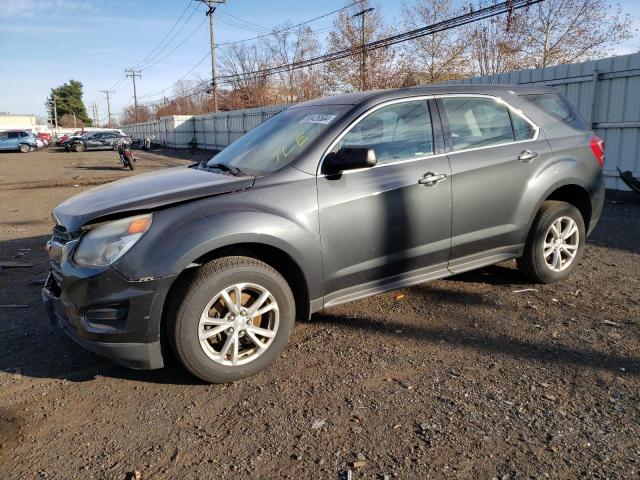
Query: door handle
x=528 y=155
x=430 y=179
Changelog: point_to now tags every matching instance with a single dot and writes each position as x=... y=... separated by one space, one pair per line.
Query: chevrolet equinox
x=327 y=202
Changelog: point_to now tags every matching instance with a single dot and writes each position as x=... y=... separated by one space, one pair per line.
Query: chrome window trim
x=511 y=108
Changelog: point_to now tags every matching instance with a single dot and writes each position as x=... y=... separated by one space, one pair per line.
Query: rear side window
x=396 y=132
x=559 y=107
x=477 y=122
x=14 y=134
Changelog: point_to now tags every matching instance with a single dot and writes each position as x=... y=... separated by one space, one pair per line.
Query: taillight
x=597 y=147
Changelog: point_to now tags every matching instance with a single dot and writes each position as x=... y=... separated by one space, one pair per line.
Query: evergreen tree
x=69 y=101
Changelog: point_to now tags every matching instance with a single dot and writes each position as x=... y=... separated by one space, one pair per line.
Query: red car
x=44 y=136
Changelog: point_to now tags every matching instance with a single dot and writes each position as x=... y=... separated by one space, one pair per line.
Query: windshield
x=278 y=141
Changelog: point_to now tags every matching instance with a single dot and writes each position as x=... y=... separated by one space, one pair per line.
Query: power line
x=473 y=16
x=153 y=60
x=275 y=32
x=148 y=66
x=186 y=7
x=181 y=78
x=253 y=38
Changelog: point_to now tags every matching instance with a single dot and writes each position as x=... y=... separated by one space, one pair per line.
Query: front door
x=389 y=225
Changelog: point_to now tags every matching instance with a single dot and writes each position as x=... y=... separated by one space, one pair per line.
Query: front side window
x=396 y=132
x=279 y=141
x=477 y=122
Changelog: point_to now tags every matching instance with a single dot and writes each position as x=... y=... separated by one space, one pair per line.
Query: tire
x=24 y=148
x=542 y=240
x=79 y=147
x=207 y=358
x=130 y=164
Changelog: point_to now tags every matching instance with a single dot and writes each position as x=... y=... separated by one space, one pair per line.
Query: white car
x=39 y=143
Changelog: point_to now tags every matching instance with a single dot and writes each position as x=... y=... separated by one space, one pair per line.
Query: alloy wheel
x=561 y=244
x=238 y=324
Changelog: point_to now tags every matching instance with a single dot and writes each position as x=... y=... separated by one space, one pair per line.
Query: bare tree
x=69 y=120
x=287 y=47
x=247 y=88
x=495 y=45
x=438 y=57
x=381 y=66
x=566 y=31
x=129 y=115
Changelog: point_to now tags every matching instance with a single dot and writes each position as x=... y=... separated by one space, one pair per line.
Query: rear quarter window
x=559 y=107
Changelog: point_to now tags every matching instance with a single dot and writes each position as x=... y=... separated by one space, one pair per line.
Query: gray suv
x=327 y=202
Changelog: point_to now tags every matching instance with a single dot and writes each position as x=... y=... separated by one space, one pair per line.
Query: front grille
x=61 y=237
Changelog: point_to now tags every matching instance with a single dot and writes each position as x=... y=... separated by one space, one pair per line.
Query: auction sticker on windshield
x=318 y=118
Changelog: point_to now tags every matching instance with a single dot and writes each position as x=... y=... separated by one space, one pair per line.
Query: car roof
x=395 y=93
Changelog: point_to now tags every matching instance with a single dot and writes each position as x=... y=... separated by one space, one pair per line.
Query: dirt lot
x=471 y=377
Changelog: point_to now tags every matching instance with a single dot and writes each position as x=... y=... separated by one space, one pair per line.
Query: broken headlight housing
x=106 y=243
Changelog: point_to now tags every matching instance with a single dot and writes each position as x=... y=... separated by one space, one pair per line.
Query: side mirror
x=348 y=158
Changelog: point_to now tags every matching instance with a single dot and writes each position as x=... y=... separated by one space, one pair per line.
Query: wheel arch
x=577 y=196
x=269 y=254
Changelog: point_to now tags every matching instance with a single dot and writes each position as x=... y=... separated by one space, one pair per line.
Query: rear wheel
x=79 y=147
x=24 y=148
x=555 y=244
x=232 y=320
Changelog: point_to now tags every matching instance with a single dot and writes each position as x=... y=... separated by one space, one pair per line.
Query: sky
x=44 y=43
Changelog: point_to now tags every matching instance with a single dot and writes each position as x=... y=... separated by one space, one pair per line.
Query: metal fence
x=607 y=94
x=212 y=131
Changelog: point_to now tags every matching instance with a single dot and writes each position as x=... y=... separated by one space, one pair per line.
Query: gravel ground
x=482 y=375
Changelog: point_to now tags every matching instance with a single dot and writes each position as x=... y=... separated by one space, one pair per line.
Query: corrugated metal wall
x=212 y=131
x=607 y=94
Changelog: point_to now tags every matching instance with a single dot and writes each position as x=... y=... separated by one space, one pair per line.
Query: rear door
x=496 y=156
x=3 y=141
x=379 y=226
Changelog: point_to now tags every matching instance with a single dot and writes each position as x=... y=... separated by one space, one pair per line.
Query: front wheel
x=24 y=148
x=555 y=244
x=79 y=147
x=232 y=320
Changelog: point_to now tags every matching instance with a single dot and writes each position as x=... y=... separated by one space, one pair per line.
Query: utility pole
x=107 y=93
x=363 y=82
x=211 y=7
x=94 y=110
x=130 y=72
x=55 y=112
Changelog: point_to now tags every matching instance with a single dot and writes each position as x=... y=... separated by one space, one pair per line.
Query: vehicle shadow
x=489 y=343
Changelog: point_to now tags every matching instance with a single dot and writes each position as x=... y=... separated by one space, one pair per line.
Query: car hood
x=145 y=192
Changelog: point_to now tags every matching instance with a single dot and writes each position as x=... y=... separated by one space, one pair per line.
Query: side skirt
x=460 y=265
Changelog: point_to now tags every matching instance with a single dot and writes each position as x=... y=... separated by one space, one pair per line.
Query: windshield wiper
x=225 y=167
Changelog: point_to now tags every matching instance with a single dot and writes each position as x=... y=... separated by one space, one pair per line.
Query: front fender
x=182 y=234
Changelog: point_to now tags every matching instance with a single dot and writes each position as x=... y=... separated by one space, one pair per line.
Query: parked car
x=329 y=201
x=39 y=142
x=95 y=141
x=19 y=140
x=44 y=136
x=64 y=137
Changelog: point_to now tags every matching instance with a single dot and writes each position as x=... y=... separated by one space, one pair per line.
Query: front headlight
x=105 y=244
